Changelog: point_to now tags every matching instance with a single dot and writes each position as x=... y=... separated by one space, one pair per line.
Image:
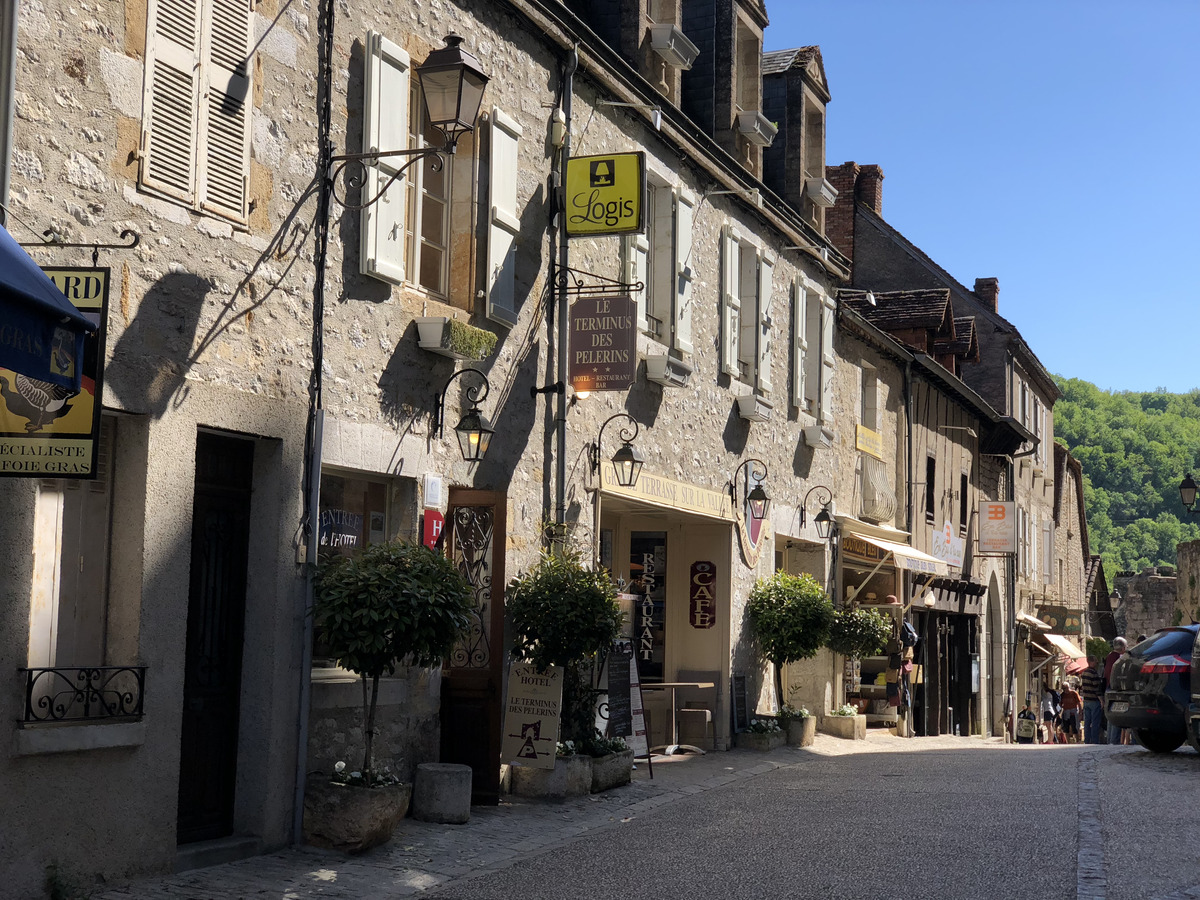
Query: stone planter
x=750 y=740
x=611 y=771
x=352 y=819
x=450 y=337
x=801 y=732
x=570 y=777
x=853 y=728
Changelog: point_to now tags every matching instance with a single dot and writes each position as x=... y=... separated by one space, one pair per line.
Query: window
x=353 y=513
x=868 y=415
x=930 y=488
x=1022 y=543
x=964 y=505
x=661 y=261
x=427 y=233
x=195 y=144
x=746 y=326
x=800 y=352
x=731 y=302
x=812 y=350
x=1039 y=455
x=1048 y=552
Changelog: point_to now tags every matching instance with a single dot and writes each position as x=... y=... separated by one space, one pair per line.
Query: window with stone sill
x=196 y=105
x=746 y=312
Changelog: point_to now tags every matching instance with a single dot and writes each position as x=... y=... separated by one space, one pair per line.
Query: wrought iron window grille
x=83 y=693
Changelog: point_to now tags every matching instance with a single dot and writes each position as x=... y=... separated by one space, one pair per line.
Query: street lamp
x=824 y=519
x=452 y=82
x=628 y=460
x=473 y=430
x=757 y=499
x=1187 y=493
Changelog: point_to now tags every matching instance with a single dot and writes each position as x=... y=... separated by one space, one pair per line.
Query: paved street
x=939 y=817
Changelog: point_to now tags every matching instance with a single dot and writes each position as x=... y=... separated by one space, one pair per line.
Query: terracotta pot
x=352 y=819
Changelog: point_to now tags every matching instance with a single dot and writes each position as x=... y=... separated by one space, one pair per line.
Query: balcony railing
x=84 y=693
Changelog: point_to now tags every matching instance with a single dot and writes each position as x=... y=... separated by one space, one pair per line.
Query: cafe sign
x=605 y=194
x=603 y=343
x=702 y=588
x=50 y=431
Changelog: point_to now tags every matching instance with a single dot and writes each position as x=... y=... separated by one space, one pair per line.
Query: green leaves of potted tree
x=389 y=605
x=790 y=616
x=564 y=614
x=857 y=632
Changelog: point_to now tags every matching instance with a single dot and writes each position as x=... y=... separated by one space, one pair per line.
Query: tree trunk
x=779 y=683
x=369 y=726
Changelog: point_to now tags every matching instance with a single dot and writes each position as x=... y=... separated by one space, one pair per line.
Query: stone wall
x=1187 y=584
x=1147 y=601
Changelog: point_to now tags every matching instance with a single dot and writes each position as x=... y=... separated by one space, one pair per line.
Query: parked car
x=1193 y=732
x=1150 y=689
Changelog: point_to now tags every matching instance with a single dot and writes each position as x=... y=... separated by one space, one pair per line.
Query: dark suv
x=1150 y=689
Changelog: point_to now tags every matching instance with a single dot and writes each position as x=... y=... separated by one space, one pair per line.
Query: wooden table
x=673 y=730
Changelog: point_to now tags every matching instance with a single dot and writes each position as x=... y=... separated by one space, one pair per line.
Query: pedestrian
x=1071 y=705
x=1026 y=726
x=1115 y=733
x=1050 y=708
x=1092 y=692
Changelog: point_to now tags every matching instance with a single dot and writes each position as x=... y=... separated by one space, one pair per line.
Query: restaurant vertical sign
x=48 y=431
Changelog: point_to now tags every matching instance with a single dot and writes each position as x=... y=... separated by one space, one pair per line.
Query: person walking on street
x=1092 y=691
x=1115 y=732
x=1050 y=709
x=1071 y=705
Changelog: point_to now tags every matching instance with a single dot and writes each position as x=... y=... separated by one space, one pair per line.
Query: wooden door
x=216 y=616
x=472 y=677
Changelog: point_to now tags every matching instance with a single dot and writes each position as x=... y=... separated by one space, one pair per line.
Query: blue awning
x=41 y=333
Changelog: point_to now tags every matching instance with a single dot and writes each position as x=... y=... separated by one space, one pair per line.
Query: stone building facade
x=1149 y=600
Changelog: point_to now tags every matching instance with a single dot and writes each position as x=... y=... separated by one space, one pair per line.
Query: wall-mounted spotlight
x=473 y=430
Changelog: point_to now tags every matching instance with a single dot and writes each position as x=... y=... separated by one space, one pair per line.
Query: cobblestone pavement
x=422 y=857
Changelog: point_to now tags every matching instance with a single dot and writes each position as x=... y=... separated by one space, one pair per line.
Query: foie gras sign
x=603 y=343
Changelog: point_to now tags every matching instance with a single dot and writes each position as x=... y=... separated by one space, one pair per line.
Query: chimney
x=839 y=218
x=988 y=291
x=870 y=189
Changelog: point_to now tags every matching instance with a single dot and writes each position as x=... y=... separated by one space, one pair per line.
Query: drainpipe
x=564 y=257
x=8 y=81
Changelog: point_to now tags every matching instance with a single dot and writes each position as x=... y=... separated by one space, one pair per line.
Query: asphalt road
x=988 y=821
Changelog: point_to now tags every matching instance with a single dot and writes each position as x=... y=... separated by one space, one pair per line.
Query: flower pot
x=457 y=340
x=612 y=770
x=853 y=728
x=752 y=740
x=570 y=777
x=801 y=732
x=351 y=818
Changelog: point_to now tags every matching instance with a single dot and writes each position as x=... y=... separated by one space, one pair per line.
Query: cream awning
x=1032 y=622
x=1064 y=646
x=906 y=557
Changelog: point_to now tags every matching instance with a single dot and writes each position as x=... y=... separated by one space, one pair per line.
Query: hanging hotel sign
x=50 y=431
x=531 y=716
x=703 y=595
x=998 y=528
x=603 y=343
x=605 y=194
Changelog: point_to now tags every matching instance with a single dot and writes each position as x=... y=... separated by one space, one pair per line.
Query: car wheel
x=1159 y=741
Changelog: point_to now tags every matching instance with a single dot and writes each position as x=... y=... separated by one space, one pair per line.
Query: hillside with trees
x=1135 y=448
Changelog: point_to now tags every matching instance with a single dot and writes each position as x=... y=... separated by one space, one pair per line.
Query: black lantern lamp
x=628 y=460
x=473 y=430
x=824 y=520
x=757 y=498
x=452 y=83
x=1187 y=493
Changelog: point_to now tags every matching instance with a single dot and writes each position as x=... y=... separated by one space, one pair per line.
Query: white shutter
x=659 y=244
x=503 y=222
x=1048 y=552
x=730 y=302
x=825 y=414
x=799 y=341
x=386 y=91
x=170 y=97
x=685 y=206
x=766 y=270
x=748 y=335
x=635 y=253
x=225 y=109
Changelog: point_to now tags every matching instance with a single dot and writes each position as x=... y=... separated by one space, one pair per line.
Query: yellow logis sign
x=605 y=194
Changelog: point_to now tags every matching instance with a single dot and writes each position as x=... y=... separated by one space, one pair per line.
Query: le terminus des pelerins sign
x=603 y=343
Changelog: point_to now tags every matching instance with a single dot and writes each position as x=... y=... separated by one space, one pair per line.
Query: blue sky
x=1054 y=145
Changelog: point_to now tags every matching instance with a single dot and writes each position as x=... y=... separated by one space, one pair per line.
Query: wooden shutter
x=635 y=254
x=731 y=302
x=685 y=207
x=799 y=341
x=503 y=222
x=386 y=90
x=748 y=333
x=828 y=362
x=766 y=271
x=225 y=107
x=170 y=99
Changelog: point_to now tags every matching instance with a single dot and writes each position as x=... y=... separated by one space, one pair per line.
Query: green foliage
x=566 y=615
x=386 y=604
x=467 y=340
x=859 y=632
x=790 y=615
x=1098 y=647
x=389 y=602
x=1135 y=448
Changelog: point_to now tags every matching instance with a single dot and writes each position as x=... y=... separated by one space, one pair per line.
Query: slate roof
x=906 y=310
x=776 y=61
x=964 y=344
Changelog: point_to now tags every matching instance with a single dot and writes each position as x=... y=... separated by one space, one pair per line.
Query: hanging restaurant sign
x=48 y=430
x=605 y=194
x=998 y=527
x=603 y=343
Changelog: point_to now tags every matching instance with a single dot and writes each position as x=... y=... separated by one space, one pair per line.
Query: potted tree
x=790 y=616
x=389 y=605
x=564 y=614
x=857 y=632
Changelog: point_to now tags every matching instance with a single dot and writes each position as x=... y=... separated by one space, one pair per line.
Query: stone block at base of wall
x=749 y=740
x=570 y=777
x=611 y=771
x=853 y=728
